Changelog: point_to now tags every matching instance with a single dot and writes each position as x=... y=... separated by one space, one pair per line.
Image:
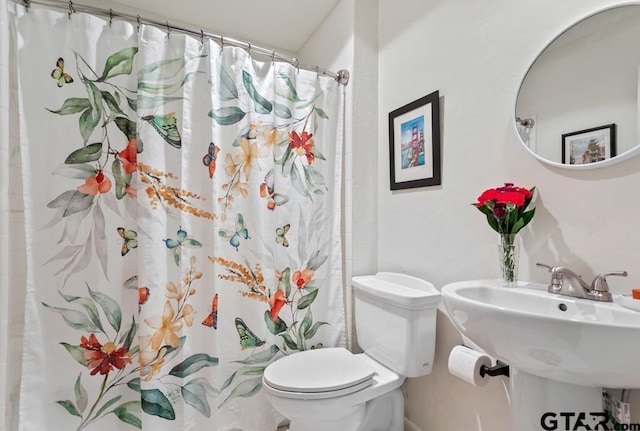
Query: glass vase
x=508 y=255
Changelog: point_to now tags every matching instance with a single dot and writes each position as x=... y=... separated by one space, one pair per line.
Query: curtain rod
x=342 y=76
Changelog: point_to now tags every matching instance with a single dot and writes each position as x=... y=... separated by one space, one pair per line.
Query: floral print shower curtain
x=183 y=225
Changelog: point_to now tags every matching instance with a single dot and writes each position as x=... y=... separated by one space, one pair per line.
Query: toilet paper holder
x=499 y=369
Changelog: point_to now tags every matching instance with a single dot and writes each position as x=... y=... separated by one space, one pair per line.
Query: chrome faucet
x=566 y=282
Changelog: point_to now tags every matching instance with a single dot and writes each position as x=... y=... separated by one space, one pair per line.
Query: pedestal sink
x=562 y=350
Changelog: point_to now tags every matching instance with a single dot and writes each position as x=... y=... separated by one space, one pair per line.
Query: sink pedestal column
x=539 y=404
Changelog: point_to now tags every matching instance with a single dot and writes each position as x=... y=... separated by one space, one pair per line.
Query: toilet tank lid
x=400 y=289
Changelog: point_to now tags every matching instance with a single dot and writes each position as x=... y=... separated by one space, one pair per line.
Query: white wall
x=475 y=53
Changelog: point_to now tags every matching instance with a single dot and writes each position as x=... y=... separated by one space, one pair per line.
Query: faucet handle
x=544 y=265
x=600 y=282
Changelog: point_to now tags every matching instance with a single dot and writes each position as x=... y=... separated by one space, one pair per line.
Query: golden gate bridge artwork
x=412 y=143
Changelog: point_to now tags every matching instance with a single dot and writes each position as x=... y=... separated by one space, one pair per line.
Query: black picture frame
x=589 y=145
x=414 y=144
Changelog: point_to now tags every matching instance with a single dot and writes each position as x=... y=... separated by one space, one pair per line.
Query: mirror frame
x=604 y=163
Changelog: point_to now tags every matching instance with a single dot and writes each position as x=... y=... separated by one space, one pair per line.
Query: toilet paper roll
x=465 y=364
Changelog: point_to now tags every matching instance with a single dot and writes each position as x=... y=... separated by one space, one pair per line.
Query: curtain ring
x=138 y=22
x=296 y=64
x=110 y=17
x=201 y=37
x=27 y=4
x=273 y=55
x=248 y=47
x=221 y=44
x=168 y=30
x=71 y=9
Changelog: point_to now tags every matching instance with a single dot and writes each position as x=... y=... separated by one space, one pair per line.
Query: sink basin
x=565 y=339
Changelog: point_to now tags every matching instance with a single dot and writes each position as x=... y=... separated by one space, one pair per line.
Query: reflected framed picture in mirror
x=589 y=145
x=414 y=144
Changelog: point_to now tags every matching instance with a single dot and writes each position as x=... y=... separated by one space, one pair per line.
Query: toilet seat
x=318 y=374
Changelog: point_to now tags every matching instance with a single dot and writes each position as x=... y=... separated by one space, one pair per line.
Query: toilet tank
x=395 y=317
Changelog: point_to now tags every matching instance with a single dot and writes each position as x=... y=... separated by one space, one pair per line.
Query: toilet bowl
x=329 y=389
x=333 y=389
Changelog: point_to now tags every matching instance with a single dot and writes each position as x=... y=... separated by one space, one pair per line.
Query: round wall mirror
x=577 y=107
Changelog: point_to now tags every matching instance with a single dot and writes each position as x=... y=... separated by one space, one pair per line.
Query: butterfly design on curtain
x=175 y=245
x=130 y=238
x=267 y=190
x=247 y=337
x=59 y=74
x=209 y=160
x=167 y=126
x=234 y=236
x=280 y=235
x=212 y=318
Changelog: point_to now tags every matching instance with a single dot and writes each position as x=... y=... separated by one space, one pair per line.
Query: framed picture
x=589 y=145
x=414 y=144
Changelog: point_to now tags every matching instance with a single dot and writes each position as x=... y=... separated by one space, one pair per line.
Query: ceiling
x=277 y=24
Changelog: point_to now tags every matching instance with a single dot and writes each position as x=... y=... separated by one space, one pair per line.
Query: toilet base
x=384 y=413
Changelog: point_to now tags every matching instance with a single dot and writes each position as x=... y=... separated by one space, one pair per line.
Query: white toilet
x=332 y=389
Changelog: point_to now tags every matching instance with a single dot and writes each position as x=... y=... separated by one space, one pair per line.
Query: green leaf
x=282 y=111
x=245 y=389
x=81 y=395
x=289 y=341
x=163 y=69
x=72 y=201
x=155 y=403
x=493 y=223
x=292 y=94
x=301 y=345
x=81 y=171
x=69 y=407
x=196 y=396
x=303 y=328
x=133 y=103
x=91 y=117
x=76 y=352
x=227 y=115
x=129 y=335
x=316 y=260
x=126 y=126
x=261 y=105
x=321 y=113
x=307 y=300
x=123 y=179
x=242 y=371
x=88 y=153
x=72 y=105
x=151 y=87
x=193 y=364
x=113 y=106
x=106 y=405
x=125 y=412
x=75 y=319
x=89 y=306
x=228 y=90
x=260 y=357
x=312 y=331
x=284 y=283
x=110 y=308
x=134 y=384
x=119 y=63
x=274 y=327
x=296 y=182
x=314 y=179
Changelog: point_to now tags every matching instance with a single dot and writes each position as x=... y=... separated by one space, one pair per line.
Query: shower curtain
x=182 y=209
